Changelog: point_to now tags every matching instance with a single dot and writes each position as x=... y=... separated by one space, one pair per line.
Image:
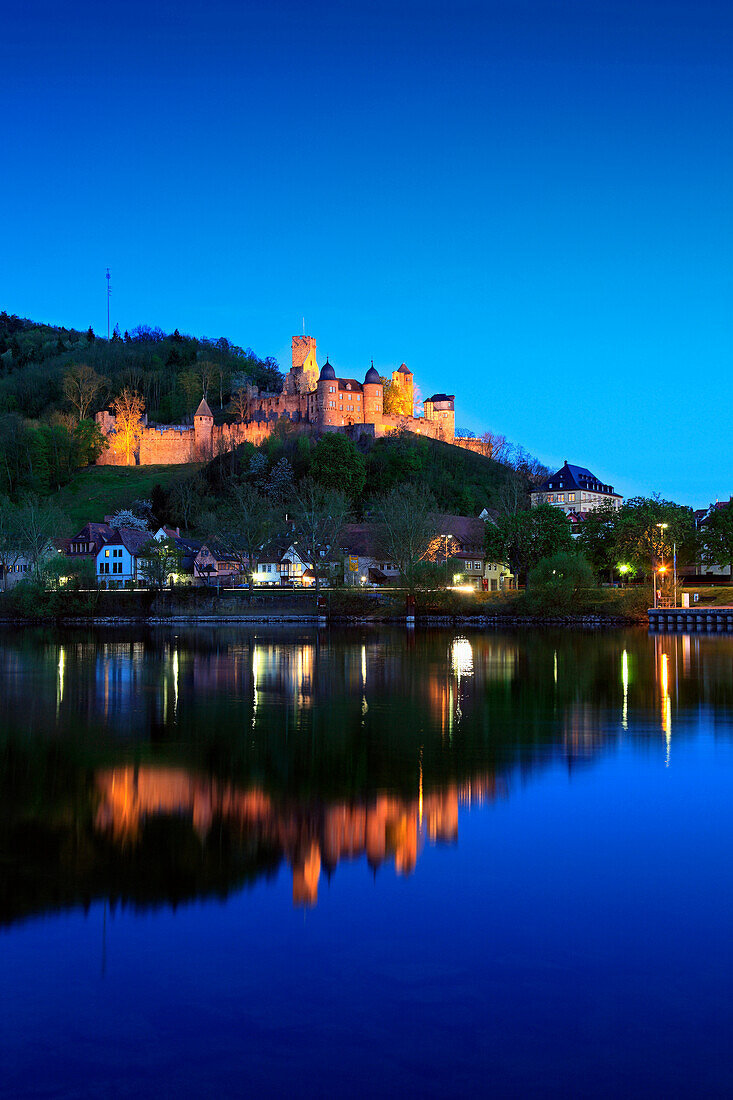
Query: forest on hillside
x=169 y=370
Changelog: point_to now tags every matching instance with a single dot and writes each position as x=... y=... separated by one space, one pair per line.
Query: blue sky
x=528 y=201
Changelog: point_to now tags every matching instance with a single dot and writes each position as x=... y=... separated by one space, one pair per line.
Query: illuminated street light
x=662 y=568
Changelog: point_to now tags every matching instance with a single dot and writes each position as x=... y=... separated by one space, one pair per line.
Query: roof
x=203 y=409
x=574 y=477
x=349 y=383
x=327 y=372
x=359 y=538
x=372 y=376
x=404 y=369
x=467 y=530
x=441 y=397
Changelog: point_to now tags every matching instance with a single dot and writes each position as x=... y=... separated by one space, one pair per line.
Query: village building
x=575 y=490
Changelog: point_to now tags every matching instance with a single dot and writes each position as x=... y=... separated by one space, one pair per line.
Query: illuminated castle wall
x=309 y=397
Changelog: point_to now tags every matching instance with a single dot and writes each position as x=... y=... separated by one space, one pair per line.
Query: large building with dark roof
x=576 y=491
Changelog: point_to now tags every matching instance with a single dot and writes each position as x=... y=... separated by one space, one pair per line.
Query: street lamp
x=662 y=568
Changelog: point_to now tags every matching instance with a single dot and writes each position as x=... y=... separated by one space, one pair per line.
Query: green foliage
x=337 y=464
x=717 y=536
x=523 y=538
x=36 y=359
x=641 y=541
x=158 y=562
x=556 y=581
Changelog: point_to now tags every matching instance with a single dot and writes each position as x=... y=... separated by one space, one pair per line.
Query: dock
x=687 y=620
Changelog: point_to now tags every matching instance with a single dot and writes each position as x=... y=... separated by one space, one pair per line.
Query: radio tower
x=109 y=291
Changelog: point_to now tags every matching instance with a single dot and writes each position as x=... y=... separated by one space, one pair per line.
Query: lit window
x=571 y=496
x=561 y=497
x=106 y=553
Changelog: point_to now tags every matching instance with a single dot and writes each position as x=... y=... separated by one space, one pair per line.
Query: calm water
x=238 y=861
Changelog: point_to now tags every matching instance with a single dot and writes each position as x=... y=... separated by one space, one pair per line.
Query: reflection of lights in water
x=625 y=682
x=255 y=678
x=666 y=707
x=419 y=794
x=60 y=685
x=461 y=657
x=555 y=667
x=363 y=665
x=175 y=681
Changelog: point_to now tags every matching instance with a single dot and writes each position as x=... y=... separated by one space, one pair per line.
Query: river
x=274 y=861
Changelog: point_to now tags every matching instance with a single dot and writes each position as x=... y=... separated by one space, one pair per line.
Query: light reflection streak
x=625 y=682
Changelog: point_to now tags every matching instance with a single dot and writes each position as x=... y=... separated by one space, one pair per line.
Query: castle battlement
x=310 y=397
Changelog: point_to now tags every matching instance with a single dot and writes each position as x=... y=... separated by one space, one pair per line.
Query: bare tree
x=513 y=495
x=406 y=528
x=37 y=526
x=319 y=515
x=129 y=408
x=185 y=499
x=81 y=386
x=241 y=402
x=494 y=446
x=247 y=524
x=206 y=371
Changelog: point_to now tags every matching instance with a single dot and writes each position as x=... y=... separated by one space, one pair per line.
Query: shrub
x=557 y=581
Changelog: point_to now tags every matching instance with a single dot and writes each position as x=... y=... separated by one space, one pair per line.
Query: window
x=106 y=553
x=331 y=389
x=571 y=496
x=560 y=497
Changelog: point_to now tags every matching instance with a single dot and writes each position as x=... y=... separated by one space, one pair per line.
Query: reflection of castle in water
x=313 y=838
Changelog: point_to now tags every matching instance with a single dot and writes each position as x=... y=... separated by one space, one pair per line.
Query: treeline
x=458 y=481
x=169 y=370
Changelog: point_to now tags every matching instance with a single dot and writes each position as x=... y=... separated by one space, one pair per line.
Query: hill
x=98 y=491
x=167 y=369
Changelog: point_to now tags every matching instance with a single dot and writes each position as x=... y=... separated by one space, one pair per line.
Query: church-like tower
x=402 y=382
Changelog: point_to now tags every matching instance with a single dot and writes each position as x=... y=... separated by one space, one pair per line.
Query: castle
x=311 y=397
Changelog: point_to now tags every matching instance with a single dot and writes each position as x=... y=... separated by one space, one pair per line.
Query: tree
x=89 y=442
x=81 y=386
x=599 y=537
x=184 y=500
x=246 y=525
x=558 y=580
x=37 y=526
x=493 y=445
x=337 y=464
x=406 y=526
x=280 y=482
x=158 y=562
x=394 y=402
x=319 y=514
x=129 y=408
x=9 y=549
x=524 y=538
x=240 y=403
x=641 y=540
x=125 y=517
x=717 y=536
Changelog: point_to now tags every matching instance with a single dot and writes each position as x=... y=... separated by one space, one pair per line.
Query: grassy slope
x=97 y=491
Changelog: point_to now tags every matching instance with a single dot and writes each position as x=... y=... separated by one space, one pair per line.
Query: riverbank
x=338 y=606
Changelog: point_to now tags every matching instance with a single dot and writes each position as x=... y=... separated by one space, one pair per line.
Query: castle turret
x=327 y=396
x=373 y=396
x=402 y=383
x=203 y=429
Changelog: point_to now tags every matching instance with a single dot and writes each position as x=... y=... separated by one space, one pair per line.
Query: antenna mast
x=109 y=291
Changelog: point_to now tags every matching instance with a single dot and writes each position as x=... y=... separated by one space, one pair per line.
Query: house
x=213 y=564
x=88 y=542
x=363 y=563
x=282 y=564
x=15 y=569
x=574 y=489
x=117 y=558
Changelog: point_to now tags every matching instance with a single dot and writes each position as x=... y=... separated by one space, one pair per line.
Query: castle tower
x=402 y=382
x=203 y=430
x=440 y=408
x=303 y=375
x=327 y=388
x=373 y=396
